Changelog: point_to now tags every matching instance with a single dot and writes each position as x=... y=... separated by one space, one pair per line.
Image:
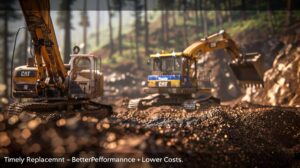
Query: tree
x=228 y=9
x=270 y=16
x=166 y=21
x=119 y=5
x=146 y=27
x=199 y=7
x=205 y=21
x=174 y=5
x=98 y=23
x=243 y=12
x=165 y=5
x=64 y=22
x=84 y=23
x=197 y=14
x=219 y=17
x=138 y=14
x=289 y=12
x=185 y=35
x=111 y=42
x=8 y=13
x=174 y=19
x=163 y=41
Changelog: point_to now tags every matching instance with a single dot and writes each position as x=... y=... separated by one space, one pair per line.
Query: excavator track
x=85 y=106
x=187 y=103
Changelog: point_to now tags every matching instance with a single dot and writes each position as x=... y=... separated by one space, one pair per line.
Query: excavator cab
x=172 y=73
x=86 y=79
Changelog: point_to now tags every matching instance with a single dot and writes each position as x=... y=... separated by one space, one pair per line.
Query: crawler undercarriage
x=186 y=101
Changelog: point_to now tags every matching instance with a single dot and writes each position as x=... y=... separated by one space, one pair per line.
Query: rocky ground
x=213 y=136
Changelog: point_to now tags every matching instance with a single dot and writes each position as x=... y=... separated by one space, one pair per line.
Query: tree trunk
x=201 y=17
x=167 y=27
x=131 y=46
x=163 y=42
x=67 y=39
x=197 y=15
x=243 y=12
x=137 y=52
x=111 y=43
x=98 y=24
x=174 y=18
x=184 y=24
x=5 y=53
x=219 y=14
x=120 y=32
x=85 y=28
x=220 y=19
x=146 y=28
x=205 y=27
x=257 y=7
x=270 y=17
x=229 y=6
x=289 y=12
x=215 y=20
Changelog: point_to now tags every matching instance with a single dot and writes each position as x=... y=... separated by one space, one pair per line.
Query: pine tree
x=6 y=15
x=118 y=4
x=111 y=42
x=84 y=23
x=64 y=22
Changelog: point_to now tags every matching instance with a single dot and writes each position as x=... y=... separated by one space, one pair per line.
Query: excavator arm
x=246 y=67
x=51 y=70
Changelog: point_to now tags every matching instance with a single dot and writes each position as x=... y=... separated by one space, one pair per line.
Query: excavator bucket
x=250 y=72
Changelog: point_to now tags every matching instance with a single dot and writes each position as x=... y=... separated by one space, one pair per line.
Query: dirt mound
x=124 y=80
x=281 y=82
x=215 y=73
x=218 y=136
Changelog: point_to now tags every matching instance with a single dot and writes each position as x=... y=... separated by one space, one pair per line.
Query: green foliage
x=254 y=20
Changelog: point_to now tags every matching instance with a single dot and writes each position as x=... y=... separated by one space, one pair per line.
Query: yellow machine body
x=176 y=72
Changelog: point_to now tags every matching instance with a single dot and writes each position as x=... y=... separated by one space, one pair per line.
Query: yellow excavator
x=174 y=77
x=46 y=82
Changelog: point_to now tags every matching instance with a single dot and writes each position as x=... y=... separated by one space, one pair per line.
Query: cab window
x=156 y=64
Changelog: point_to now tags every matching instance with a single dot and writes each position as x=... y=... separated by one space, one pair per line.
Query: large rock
x=282 y=81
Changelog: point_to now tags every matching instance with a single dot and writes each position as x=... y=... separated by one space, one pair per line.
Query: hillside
x=251 y=34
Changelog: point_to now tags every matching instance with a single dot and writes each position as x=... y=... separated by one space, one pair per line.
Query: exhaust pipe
x=30 y=62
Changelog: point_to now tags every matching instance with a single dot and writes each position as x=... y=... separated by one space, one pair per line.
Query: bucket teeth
x=134 y=103
x=256 y=85
x=189 y=105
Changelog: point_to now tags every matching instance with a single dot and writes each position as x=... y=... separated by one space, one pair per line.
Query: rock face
x=282 y=81
x=215 y=73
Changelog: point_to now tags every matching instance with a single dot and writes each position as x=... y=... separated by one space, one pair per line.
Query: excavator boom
x=38 y=20
x=247 y=67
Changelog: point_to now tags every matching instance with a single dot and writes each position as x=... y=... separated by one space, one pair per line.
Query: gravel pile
x=215 y=136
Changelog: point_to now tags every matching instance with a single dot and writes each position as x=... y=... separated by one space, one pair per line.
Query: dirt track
x=213 y=136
